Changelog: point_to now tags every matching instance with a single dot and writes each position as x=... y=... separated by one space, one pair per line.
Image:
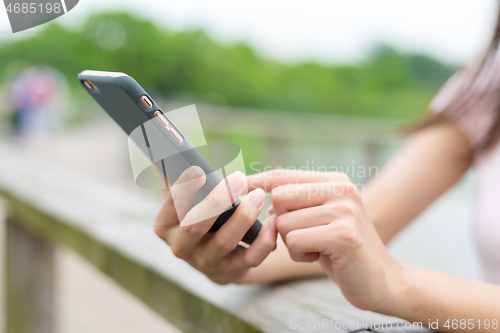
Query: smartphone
x=133 y=110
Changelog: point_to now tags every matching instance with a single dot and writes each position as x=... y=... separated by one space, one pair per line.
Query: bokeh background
x=294 y=83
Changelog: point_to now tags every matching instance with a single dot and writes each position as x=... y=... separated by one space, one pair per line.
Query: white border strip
x=64 y=6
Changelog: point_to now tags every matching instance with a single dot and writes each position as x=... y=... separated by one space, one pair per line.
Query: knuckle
x=193 y=230
x=330 y=212
x=346 y=188
x=340 y=260
x=278 y=196
x=351 y=189
x=347 y=233
x=281 y=223
x=295 y=256
x=251 y=262
x=276 y=193
x=268 y=244
x=292 y=242
x=203 y=263
x=336 y=189
x=245 y=213
x=223 y=244
x=347 y=208
x=178 y=252
x=160 y=228
x=275 y=173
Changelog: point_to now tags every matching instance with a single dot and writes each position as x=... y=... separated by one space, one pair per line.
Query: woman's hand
x=216 y=255
x=325 y=220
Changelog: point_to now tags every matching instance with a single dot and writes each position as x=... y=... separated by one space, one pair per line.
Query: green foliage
x=190 y=65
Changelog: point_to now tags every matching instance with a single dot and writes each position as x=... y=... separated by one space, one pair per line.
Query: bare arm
x=433 y=160
x=431 y=296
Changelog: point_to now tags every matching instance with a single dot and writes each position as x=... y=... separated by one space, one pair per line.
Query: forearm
x=433 y=160
x=278 y=266
x=427 y=296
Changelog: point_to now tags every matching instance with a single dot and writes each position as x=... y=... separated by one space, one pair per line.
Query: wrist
x=397 y=287
x=402 y=300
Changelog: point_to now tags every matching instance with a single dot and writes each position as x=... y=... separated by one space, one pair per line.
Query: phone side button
x=176 y=135
x=168 y=126
x=146 y=102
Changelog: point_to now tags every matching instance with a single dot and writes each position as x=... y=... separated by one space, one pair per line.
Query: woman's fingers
x=305 y=218
x=201 y=217
x=271 y=179
x=292 y=197
x=218 y=200
x=334 y=240
x=310 y=240
x=178 y=199
x=261 y=247
x=166 y=218
x=184 y=191
x=226 y=239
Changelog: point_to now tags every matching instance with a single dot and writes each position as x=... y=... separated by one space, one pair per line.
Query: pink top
x=480 y=98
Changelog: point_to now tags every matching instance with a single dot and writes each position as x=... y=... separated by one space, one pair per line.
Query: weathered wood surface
x=114 y=231
x=29 y=281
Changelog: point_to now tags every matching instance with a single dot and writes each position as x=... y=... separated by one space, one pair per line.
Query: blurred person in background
x=328 y=227
x=34 y=98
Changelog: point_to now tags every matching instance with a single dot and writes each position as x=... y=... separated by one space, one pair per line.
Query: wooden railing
x=49 y=207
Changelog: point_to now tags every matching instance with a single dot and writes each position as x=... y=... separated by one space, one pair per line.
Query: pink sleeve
x=470 y=100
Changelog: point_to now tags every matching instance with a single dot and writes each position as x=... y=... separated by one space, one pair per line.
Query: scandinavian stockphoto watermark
x=360 y=324
x=321 y=179
x=353 y=170
x=26 y=14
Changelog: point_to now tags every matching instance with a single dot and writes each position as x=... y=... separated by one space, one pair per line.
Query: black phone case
x=120 y=97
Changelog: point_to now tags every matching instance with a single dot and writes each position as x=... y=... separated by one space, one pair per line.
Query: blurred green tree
x=190 y=65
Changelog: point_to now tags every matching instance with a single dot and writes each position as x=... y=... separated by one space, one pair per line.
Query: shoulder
x=470 y=99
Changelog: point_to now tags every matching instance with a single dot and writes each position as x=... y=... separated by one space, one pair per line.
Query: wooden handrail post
x=29 y=281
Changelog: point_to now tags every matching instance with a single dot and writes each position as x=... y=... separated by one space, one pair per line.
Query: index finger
x=165 y=189
x=273 y=178
x=178 y=199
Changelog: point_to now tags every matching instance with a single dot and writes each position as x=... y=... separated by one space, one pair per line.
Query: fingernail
x=194 y=172
x=235 y=182
x=269 y=210
x=257 y=197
